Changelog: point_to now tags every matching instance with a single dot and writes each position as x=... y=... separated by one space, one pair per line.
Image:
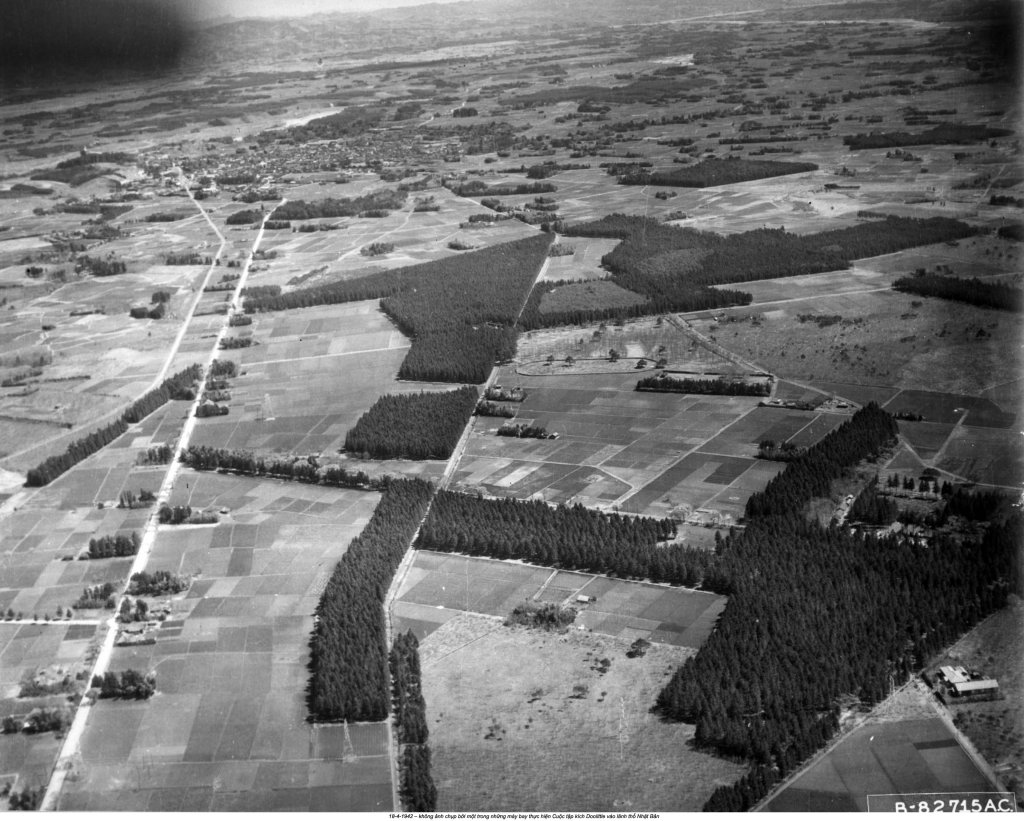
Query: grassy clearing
x=882 y=339
x=585 y=296
x=524 y=720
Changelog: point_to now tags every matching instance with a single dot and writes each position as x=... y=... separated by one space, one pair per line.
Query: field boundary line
x=327 y=355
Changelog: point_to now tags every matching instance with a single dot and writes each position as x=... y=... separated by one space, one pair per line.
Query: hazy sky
x=282 y=8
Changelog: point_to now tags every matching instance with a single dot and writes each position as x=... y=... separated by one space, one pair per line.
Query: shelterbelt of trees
x=674 y=267
x=413 y=425
x=348 y=648
x=246 y=463
x=973 y=291
x=459 y=311
x=179 y=386
x=722 y=386
x=573 y=538
x=818 y=612
x=419 y=793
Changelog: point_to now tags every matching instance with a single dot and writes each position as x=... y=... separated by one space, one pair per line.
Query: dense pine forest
x=573 y=538
x=179 y=386
x=349 y=648
x=459 y=311
x=726 y=387
x=815 y=613
x=865 y=436
x=973 y=291
x=871 y=508
x=412 y=425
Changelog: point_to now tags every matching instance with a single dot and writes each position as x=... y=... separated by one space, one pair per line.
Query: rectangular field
x=439 y=583
x=904 y=757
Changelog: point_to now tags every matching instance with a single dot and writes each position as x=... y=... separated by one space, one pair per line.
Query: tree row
x=179 y=386
x=726 y=387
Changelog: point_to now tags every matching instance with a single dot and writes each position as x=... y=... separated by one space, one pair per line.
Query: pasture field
x=588 y=295
x=227 y=728
x=509 y=708
x=583 y=264
x=903 y=757
x=984 y=455
x=651 y=338
x=650 y=453
x=884 y=339
x=440 y=585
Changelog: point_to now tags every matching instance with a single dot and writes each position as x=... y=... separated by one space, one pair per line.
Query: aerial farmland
x=443 y=408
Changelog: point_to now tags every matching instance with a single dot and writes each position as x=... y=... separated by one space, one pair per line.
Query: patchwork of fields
x=651 y=453
x=227 y=729
x=438 y=586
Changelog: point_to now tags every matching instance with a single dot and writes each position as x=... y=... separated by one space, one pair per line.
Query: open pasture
x=508 y=707
x=902 y=758
x=651 y=338
x=583 y=264
x=882 y=339
x=985 y=455
x=951 y=408
x=439 y=583
x=227 y=728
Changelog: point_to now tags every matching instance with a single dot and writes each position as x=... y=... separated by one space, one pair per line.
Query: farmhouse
x=959 y=683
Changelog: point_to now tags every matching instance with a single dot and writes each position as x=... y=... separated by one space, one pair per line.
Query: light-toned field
x=440 y=585
x=563 y=735
x=584 y=264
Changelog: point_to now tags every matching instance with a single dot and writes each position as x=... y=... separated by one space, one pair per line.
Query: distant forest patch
x=945 y=134
x=713 y=171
